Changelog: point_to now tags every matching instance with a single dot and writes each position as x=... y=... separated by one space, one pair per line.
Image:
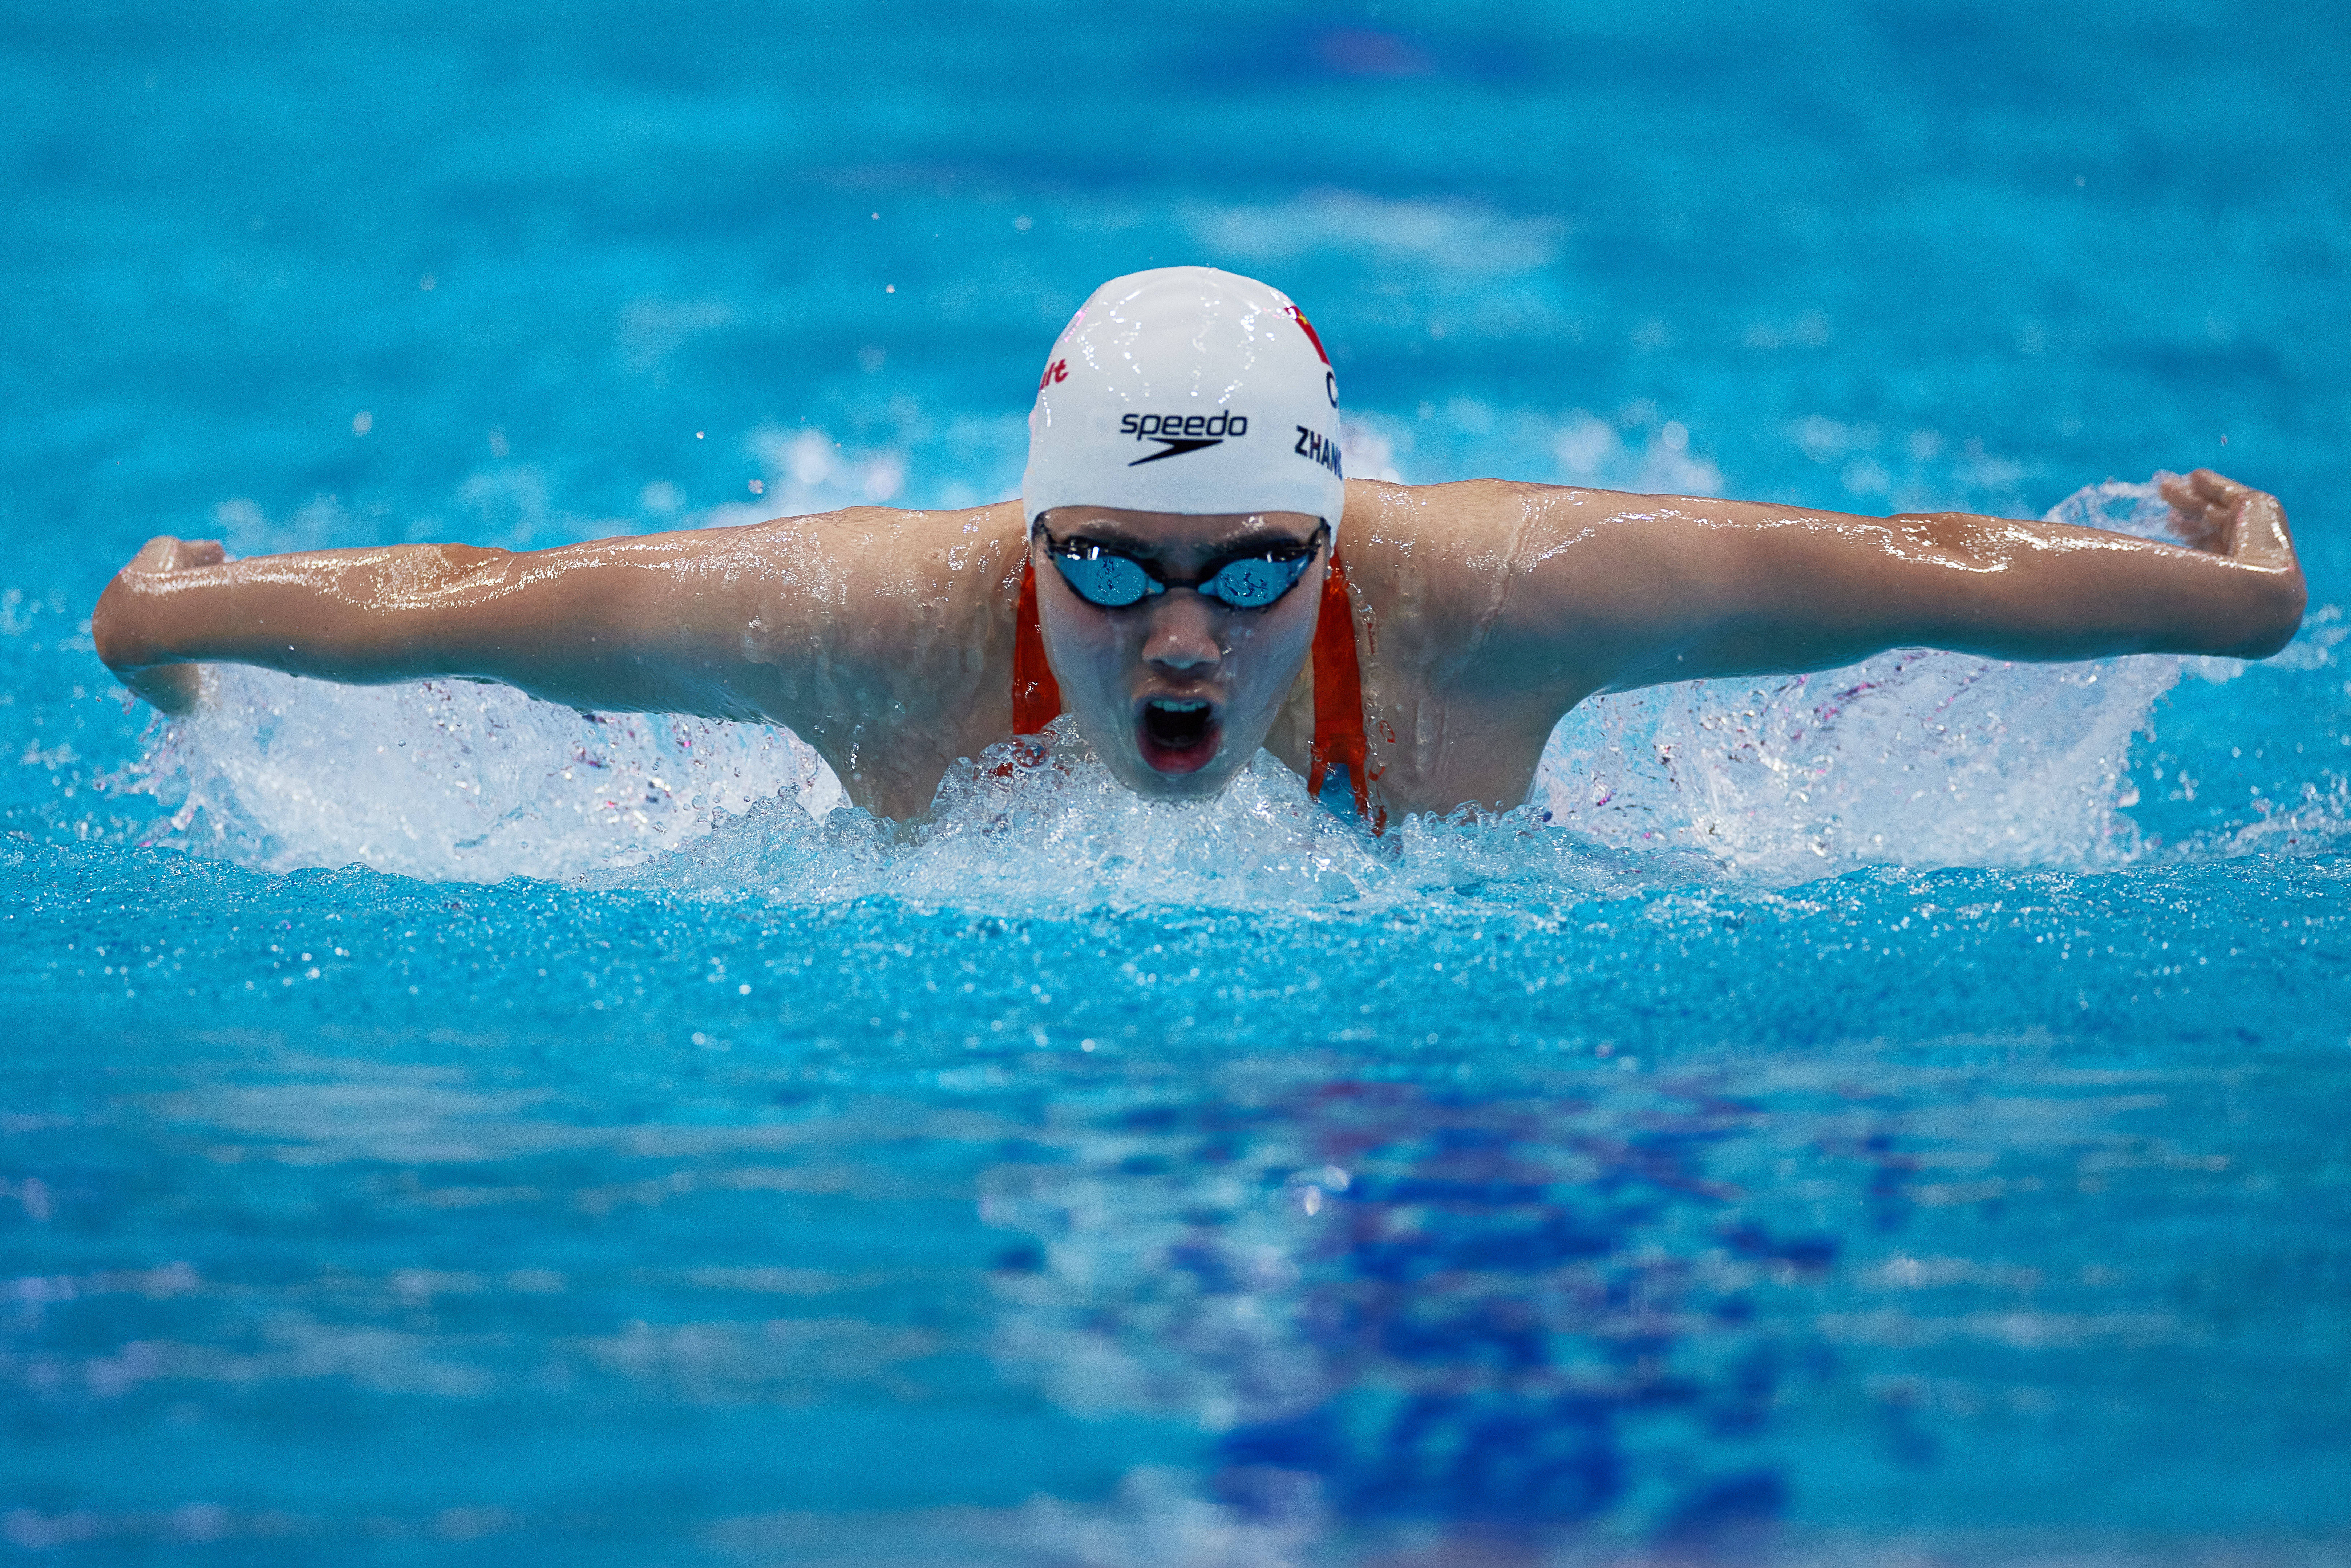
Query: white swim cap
x=1185 y=389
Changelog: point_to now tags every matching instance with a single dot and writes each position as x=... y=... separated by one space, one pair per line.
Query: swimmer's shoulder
x=1456 y=544
x=1489 y=583
x=894 y=624
x=884 y=552
x=859 y=530
x=1470 y=517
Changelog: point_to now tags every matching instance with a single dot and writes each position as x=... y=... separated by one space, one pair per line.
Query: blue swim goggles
x=1114 y=579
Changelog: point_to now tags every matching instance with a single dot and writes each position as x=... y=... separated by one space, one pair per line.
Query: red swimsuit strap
x=1339 y=738
x=1339 y=734
x=1036 y=695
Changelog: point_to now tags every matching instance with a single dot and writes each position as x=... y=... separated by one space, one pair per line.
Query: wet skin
x=1485 y=611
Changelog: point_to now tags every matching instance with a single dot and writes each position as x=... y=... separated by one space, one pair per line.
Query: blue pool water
x=1896 y=1116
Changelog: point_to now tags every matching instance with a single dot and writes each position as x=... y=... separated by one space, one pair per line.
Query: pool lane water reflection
x=508 y=1280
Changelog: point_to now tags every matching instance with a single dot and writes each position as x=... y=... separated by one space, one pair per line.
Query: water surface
x=1896 y=1115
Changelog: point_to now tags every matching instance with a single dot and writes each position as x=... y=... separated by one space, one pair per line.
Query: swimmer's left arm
x=1636 y=591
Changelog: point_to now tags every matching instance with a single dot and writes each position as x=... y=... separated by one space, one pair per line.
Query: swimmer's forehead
x=1150 y=532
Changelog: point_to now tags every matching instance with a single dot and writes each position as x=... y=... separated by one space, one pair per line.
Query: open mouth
x=1177 y=735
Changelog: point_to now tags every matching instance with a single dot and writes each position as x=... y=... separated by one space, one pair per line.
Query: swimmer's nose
x=1183 y=636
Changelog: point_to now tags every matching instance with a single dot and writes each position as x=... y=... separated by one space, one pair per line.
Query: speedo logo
x=1320 y=449
x=1180 y=432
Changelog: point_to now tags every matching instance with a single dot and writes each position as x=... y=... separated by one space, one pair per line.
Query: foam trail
x=1912 y=757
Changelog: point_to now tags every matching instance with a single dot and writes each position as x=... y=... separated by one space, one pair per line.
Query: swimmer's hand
x=2246 y=528
x=2222 y=517
x=120 y=623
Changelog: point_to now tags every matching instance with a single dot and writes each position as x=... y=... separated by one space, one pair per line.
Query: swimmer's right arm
x=705 y=621
x=579 y=625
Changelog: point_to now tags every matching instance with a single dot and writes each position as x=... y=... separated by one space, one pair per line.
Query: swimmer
x=1189 y=576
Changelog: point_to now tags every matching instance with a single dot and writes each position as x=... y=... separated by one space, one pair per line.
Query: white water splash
x=1059 y=831
x=450 y=780
x=1916 y=759
x=1914 y=756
